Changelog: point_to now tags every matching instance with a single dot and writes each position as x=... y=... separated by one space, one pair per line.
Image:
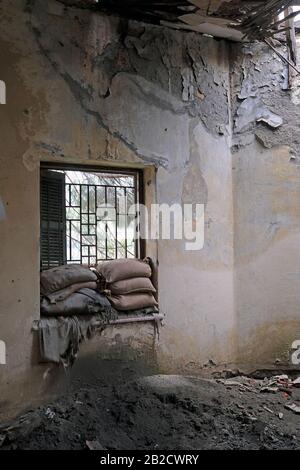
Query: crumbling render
x=251 y=110
x=261 y=99
x=2 y=92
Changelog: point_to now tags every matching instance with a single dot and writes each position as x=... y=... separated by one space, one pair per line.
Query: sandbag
x=55 y=279
x=83 y=302
x=63 y=294
x=132 y=301
x=120 y=269
x=131 y=286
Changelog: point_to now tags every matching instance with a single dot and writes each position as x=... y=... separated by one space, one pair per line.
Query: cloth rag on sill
x=60 y=337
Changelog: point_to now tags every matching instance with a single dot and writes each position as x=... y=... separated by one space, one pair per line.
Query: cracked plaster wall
x=87 y=88
x=266 y=186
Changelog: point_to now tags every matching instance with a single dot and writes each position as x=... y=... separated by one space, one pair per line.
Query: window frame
x=137 y=173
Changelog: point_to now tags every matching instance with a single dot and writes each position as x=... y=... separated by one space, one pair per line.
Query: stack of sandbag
x=128 y=283
x=71 y=290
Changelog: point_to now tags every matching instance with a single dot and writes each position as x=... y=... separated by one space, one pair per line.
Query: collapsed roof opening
x=232 y=19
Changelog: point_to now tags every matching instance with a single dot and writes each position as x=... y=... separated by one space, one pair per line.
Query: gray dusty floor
x=163 y=412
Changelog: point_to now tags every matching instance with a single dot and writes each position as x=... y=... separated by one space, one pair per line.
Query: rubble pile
x=277 y=384
x=165 y=412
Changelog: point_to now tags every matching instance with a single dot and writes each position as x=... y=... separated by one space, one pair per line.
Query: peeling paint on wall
x=251 y=110
x=97 y=89
x=259 y=82
x=266 y=185
x=2 y=92
x=2 y=210
x=2 y=353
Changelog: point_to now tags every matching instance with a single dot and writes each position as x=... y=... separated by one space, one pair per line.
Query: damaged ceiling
x=231 y=19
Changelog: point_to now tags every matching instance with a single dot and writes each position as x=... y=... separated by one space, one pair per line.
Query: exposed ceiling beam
x=232 y=19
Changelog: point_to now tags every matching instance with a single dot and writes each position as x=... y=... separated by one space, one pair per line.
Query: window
x=86 y=216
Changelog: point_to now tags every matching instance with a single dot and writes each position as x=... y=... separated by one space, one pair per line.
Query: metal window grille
x=98 y=225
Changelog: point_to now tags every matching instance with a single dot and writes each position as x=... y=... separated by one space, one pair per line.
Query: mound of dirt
x=161 y=413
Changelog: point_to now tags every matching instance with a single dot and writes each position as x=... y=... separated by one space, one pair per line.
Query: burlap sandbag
x=83 y=302
x=132 y=301
x=131 y=286
x=55 y=279
x=120 y=269
x=63 y=294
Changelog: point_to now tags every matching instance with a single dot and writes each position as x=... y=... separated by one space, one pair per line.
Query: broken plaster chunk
x=293 y=407
x=269 y=390
x=246 y=113
x=253 y=110
x=268 y=410
x=296 y=382
x=49 y=413
x=272 y=119
x=94 y=445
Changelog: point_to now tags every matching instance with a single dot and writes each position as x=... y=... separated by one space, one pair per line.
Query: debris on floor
x=296 y=382
x=293 y=407
x=275 y=384
x=94 y=445
x=164 y=412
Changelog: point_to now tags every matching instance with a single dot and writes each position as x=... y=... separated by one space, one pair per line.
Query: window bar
x=116 y=224
x=126 y=219
x=136 y=199
x=105 y=195
x=80 y=222
x=70 y=240
x=96 y=222
x=48 y=230
x=141 y=242
x=88 y=221
x=69 y=257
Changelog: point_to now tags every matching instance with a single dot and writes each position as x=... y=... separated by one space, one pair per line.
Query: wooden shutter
x=53 y=219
